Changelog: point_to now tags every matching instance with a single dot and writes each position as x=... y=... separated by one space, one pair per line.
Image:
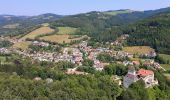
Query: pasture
x=166 y=66
x=66 y=30
x=138 y=49
x=40 y=31
x=165 y=57
x=22 y=45
x=60 y=38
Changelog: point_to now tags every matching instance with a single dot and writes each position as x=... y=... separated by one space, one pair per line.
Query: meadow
x=138 y=49
x=165 y=57
x=40 y=31
x=60 y=38
x=66 y=30
x=22 y=45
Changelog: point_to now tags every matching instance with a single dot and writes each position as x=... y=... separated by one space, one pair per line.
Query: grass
x=166 y=66
x=165 y=57
x=40 y=31
x=22 y=45
x=60 y=38
x=138 y=49
x=66 y=30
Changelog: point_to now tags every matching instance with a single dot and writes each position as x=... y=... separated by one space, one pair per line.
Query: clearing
x=61 y=38
x=138 y=49
x=165 y=57
x=66 y=30
x=166 y=66
x=22 y=45
x=40 y=31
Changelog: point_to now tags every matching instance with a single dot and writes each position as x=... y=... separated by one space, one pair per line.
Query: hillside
x=10 y=24
x=154 y=32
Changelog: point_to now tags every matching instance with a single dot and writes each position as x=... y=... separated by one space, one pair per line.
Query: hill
x=10 y=24
x=154 y=32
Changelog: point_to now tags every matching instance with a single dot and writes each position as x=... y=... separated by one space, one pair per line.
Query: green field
x=40 y=31
x=138 y=49
x=165 y=57
x=22 y=45
x=66 y=30
x=166 y=66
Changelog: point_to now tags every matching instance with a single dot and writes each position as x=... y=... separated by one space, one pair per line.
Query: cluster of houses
x=92 y=53
x=4 y=51
x=73 y=55
x=43 y=44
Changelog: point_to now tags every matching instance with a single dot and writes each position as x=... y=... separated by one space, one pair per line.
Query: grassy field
x=67 y=30
x=166 y=66
x=40 y=31
x=60 y=38
x=165 y=57
x=138 y=49
x=22 y=45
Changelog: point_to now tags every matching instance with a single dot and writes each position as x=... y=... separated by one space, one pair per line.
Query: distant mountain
x=11 y=19
x=98 y=22
x=10 y=24
x=91 y=22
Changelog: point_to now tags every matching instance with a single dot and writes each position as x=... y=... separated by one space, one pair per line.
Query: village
x=76 y=54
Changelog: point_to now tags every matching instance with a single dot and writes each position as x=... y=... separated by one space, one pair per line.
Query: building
x=146 y=75
x=130 y=77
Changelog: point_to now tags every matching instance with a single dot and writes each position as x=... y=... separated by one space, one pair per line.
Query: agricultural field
x=66 y=30
x=60 y=38
x=166 y=66
x=22 y=45
x=138 y=49
x=40 y=31
x=165 y=57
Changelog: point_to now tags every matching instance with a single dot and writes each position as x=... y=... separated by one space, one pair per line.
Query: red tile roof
x=143 y=72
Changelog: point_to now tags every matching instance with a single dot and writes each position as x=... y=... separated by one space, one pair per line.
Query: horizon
x=64 y=7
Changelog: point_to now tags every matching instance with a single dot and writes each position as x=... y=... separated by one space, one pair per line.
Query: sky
x=69 y=7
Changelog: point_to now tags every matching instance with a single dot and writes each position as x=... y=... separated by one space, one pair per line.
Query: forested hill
x=10 y=24
x=107 y=18
x=154 y=32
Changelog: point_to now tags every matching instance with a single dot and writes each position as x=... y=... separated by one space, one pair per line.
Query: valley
x=109 y=55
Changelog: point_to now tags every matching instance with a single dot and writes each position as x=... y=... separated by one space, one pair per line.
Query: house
x=146 y=75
